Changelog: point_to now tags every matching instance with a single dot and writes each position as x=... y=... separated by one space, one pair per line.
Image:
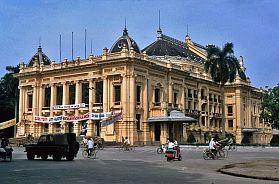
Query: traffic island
x=261 y=169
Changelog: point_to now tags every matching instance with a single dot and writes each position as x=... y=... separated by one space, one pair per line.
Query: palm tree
x=223 y=67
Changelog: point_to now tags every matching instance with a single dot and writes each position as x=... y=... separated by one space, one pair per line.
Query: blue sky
x=252 y=26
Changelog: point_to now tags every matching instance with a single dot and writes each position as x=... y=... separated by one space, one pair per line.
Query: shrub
x=191 y=138
x=275 y=140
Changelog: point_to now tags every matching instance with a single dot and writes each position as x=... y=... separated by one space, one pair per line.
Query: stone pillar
x=170 y=93
x=63 y=127
x=90 y=125
x=78 y=96
x=51 y=128
x=20 y=105
x=182 y=101
x=77 y=127
x=34 y=127
x=124 y=105
x=105 y=94
x=52 y=98
x=90 y=128
x=35 y=97
x=41 y=99
x=132 y=107
x=91 y=90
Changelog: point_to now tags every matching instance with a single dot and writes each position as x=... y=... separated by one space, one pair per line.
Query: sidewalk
x=262 y=169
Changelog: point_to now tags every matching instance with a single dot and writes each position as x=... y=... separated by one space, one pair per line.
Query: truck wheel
x=30 y=156
x=70 y=157
x=57 y=157
x=44 y=157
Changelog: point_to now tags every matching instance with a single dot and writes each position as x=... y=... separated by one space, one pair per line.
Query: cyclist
x=127 y=143
x=90 y=146
x=212 y=147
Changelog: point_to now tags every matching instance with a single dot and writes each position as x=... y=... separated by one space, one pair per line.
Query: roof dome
x=125 y=40
x=39 y=57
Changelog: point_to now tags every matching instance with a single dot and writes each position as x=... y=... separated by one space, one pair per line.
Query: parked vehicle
x=57 y=146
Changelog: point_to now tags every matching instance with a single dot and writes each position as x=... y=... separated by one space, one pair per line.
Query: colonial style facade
x=147 y=95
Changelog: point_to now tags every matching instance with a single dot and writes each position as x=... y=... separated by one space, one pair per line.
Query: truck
x=57 y=146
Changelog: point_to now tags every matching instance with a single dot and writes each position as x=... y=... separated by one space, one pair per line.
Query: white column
x=35 y=97
x=78 y=96
x=105 y=94
x=41 y=98
x=20 y=105
x=132 y=98
x=52 y=98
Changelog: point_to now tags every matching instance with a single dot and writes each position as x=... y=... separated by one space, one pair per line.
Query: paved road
x=142 y=166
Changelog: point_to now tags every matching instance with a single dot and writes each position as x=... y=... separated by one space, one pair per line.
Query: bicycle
x=232 y=147
x=161 y=149
x=85 y=153
x=207 y=154
x=125 y=147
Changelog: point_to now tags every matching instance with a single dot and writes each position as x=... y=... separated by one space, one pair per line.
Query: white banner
x=71 y=106
x=93 y=116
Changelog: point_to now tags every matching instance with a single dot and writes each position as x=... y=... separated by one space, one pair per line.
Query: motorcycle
x=172 y=154
x=6 y=153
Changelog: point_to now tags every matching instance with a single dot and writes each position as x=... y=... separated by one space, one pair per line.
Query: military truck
x=57 y=146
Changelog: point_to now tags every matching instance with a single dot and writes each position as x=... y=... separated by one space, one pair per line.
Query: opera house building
x=148 y=95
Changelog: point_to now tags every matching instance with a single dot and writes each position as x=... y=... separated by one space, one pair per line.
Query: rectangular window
x=157 y=97
x=138 y=95
x=138 y=117
x=72 y=93
x=85 y=93
x=230 y=123
x=189 y=105
x=30 y=102
x=47 y=97
x=175 y=98
x=117 y=93
x=99 y=92
x=190 y=93
x=230 y=110
x=59 y=95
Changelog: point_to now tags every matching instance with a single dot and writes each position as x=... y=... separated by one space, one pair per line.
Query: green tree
x=9 y=94
x=270 y=107
x=223 y=67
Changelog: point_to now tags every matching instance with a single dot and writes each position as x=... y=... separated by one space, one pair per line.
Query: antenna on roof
x=85 y=44
x=125 y=31
x=159 y=20
x=60 y=48
x=125 y=23
x=91 y=47
x=72 y=45
x=39 y=41
x=187 y=30
x=159 y=31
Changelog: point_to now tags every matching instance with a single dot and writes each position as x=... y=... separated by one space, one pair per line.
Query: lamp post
x=99 y=96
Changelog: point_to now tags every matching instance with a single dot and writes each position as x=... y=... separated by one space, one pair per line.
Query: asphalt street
x=143 y=165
